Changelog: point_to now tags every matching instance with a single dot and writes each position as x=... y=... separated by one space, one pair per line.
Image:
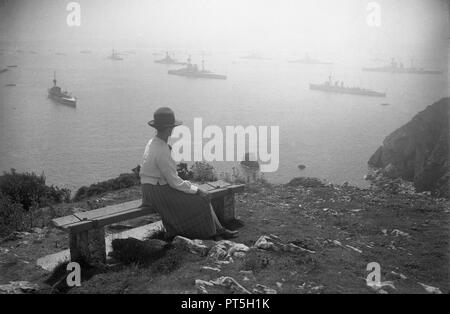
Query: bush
x=30 y=190
x=183 y=172
x=124 y=180
x=202 y=172
x=12 y=216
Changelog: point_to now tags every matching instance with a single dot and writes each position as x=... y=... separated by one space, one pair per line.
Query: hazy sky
x=295 y=25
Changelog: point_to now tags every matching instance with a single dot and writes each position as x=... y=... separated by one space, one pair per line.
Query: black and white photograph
x=210 y=148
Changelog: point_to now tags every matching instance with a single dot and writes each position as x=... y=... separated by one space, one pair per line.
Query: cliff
x=418 y=151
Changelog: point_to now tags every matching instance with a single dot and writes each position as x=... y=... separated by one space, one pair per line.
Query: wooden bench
x=87 y=233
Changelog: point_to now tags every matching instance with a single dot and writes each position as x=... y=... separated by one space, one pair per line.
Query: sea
x=333 y=135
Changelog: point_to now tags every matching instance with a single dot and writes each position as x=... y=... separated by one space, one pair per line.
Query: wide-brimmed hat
x=164 y=118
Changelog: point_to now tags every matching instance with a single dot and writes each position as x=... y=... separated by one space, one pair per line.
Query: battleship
x=191 y=70
x=60 y=96
x=308 y=60
x=398 y=67
x=341 y=89
x=169 y=60
x=115 y=56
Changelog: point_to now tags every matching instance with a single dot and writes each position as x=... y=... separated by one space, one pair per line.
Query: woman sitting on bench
x=184 y=208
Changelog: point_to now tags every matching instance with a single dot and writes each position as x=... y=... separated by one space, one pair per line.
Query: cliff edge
x=418 y=151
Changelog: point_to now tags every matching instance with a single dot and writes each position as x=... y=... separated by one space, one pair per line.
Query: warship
x=341 y=89
x=169 y=60
x=191 y=70
x=115 y=56
x=308 y=60
x=60 y=96
x=398 y=67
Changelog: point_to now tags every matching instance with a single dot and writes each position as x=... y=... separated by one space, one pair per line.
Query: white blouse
x=158 y=166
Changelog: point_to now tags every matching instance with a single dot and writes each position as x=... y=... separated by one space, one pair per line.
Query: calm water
x=333 y=135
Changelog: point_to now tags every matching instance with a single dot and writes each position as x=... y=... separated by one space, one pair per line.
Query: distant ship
x=308 y=60
x=60 y=96
x=115 y=56
x=341 y=89
x=169 y=60
x=3 y=70
x=191 y=70
x=398 y=67
x=86 y=51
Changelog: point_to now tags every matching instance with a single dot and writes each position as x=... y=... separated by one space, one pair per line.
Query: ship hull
x=170 y=62
x=338 y=90
x=198 y=75
x=64 y=101
x=401 y=71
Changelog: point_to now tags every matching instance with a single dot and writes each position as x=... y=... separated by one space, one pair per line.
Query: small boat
x=3 y=70
x=191 y=70
x=115 y=56
x=341 y=89
x=10 y=85
x=12 y=66
x=60 y=96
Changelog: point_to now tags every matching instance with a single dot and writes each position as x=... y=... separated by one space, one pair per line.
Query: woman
x=184 y=208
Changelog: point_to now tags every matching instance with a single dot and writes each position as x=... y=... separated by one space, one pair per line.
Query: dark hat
x=164 y=118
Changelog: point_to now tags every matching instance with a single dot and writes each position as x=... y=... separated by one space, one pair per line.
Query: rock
x=226 y=282
x=397 y=233
x=418 y=151
x=192 y=246
x=430 y=289
x=261 y=289
x=132 y=250
x=207 y=268
x=231 y=284
x=225 y=249
x=19 y=287
x=201 y=286
x=272 y=244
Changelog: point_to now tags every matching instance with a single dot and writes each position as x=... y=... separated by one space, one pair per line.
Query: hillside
x=332 y=232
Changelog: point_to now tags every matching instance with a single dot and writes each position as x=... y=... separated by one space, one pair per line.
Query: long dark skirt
x=187 y=215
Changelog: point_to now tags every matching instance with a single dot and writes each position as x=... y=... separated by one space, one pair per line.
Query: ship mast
x=54 y=78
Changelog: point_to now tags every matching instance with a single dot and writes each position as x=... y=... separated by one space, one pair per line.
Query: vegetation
x=22 y=195
x=30 y=190
x=124 y=180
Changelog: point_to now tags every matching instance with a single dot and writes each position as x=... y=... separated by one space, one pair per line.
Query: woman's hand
x=204 y=195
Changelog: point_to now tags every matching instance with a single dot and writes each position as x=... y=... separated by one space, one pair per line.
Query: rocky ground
x=293 y=239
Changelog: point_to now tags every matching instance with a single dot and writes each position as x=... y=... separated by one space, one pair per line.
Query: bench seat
x=87 y=233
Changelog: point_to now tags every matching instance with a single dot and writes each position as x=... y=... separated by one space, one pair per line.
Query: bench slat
x=67 y=220
x=107 y=220
x=108 y=210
